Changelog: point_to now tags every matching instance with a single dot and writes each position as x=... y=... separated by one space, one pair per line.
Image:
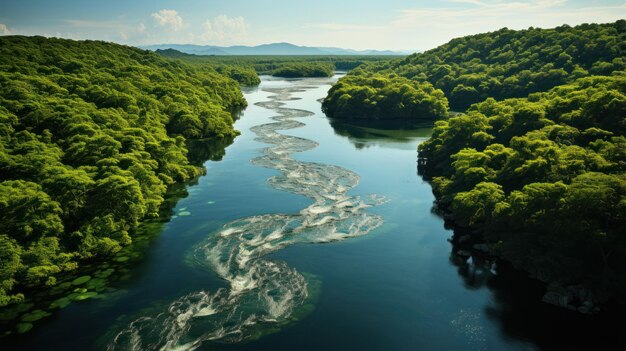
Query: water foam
x=261 y=292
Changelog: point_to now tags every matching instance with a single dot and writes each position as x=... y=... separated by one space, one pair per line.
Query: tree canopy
x=243 y=68
x=537 y=163
x=384 y=97
x=509 y=63
x=304 y=69
x=91 y=136
x=543 y=178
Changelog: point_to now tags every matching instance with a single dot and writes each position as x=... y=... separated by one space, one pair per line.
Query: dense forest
x=91 y=136
x=244 y=74
x=536 y=166
x=306 y=69
x=542 y=179
x=509 y=63
x=384 y=97
x=279 y=66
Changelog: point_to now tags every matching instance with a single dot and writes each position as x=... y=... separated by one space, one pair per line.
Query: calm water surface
x=392 y=286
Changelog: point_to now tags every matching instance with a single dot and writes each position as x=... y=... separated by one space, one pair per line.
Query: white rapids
x=261 y=292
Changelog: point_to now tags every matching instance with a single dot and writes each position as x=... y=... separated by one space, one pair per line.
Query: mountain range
x=267 y=49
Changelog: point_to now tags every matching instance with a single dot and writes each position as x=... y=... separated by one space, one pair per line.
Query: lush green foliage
x=308 y=69
x=266 y=64
x=279 y=65
x=91 y=135
x=382 y=97
x=543 y=177
x=508 y=63
x=243 y=74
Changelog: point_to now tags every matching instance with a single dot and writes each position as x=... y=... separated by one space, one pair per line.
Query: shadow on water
x=518 y=310
x=367 y=133
x=213 y=149
x=203 y=150
x=107 y=278
x=261 y=294
x=516 y=299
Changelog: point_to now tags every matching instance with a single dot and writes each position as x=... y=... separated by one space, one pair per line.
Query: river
x=309 y=235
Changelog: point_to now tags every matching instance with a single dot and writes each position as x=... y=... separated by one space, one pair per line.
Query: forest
x=306 y=69
x=509 y=63
x=541 y=179
x=92 y=134
x=278 y=66
x=242 y=73
x=532 y=163
x=535 y=168
x=384 y=97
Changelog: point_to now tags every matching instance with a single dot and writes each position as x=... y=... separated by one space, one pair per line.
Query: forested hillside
x=536 y=168
x=509 y=63
x=91 y=135
x=542 y=178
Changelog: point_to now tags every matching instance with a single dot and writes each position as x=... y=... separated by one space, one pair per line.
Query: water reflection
x=519 y=312
x=515 y=305
x=395 y=134
x=262 y=294
x=204 y=150
x=106 y=278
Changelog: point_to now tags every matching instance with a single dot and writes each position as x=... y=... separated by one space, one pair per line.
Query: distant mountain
x=267 y=49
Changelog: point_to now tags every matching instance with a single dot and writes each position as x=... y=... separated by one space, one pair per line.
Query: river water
x=309 y=234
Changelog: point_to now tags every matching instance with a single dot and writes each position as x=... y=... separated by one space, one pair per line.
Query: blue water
x=396 y=287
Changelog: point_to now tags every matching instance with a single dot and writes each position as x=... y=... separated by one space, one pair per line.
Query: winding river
x=260 y=292
x=309 y=234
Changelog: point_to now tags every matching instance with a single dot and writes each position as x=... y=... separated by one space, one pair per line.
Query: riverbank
x=100 y=279
x=397 y=288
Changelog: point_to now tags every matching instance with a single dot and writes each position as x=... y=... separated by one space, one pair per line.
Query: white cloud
x=426 y=27
x=4 y=30
x=224 y=28
x=492 y=15
x=169 y=18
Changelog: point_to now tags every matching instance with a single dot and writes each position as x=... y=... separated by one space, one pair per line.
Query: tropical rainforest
x=243 y=74
x=536 y=166
x=92 y=134
x=542 y=179
x=384 y=97
x=531 y=165
x=501 y=64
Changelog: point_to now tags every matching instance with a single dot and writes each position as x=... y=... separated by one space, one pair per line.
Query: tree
x=91 y=134
x=477 y=205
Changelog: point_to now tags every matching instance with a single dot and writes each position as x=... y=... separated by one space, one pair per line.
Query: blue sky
x=357 y=24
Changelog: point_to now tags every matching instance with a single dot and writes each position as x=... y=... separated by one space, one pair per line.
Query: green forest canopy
x=91 y=135
x=384 y=97
x=537 y=165
x=543 y=178
x=278 y=65
x=508 y=63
